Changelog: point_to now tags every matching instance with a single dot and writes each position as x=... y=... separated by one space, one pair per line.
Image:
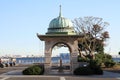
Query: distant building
x=7 y=60
x=65 y=55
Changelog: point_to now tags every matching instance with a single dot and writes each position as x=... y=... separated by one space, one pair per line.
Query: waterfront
x=30 y=60
x=117 y=60
x=56 y=60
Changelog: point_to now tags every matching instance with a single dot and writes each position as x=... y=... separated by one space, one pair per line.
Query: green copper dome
x=60 y=22
x=61 y=25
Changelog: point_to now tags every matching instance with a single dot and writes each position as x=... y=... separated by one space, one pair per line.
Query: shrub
x=83 y=71
x=95 y=66
x=97 y=70
x=109 y=63
x=80 y=59
x=92 y=68
x=103 y=58
x=34 y=70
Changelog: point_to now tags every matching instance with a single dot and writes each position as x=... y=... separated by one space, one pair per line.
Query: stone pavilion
x=60 y=30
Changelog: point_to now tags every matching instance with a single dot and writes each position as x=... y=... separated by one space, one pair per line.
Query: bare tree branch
x=92 y=29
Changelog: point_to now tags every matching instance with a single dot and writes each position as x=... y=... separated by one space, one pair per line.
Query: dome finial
x=60 y=12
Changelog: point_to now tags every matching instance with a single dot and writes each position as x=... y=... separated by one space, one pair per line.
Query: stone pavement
x=17 y=75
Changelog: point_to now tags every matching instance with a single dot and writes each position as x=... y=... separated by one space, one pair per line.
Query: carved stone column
x=47 y=57
x=74 y=55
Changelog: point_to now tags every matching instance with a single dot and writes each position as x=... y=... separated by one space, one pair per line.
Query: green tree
x=106 y=59
x=92 y=30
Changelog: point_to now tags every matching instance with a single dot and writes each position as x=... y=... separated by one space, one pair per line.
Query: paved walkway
x=17 y=75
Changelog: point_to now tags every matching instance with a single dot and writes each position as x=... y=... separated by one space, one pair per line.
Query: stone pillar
x=47 y=63
x=47 y=57
x=74 y=56
x=74 y=62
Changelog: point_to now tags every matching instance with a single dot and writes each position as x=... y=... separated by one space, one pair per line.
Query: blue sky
x=20 y=20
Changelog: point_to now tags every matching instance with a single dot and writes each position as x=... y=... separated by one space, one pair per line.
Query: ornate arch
x=69 y=40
